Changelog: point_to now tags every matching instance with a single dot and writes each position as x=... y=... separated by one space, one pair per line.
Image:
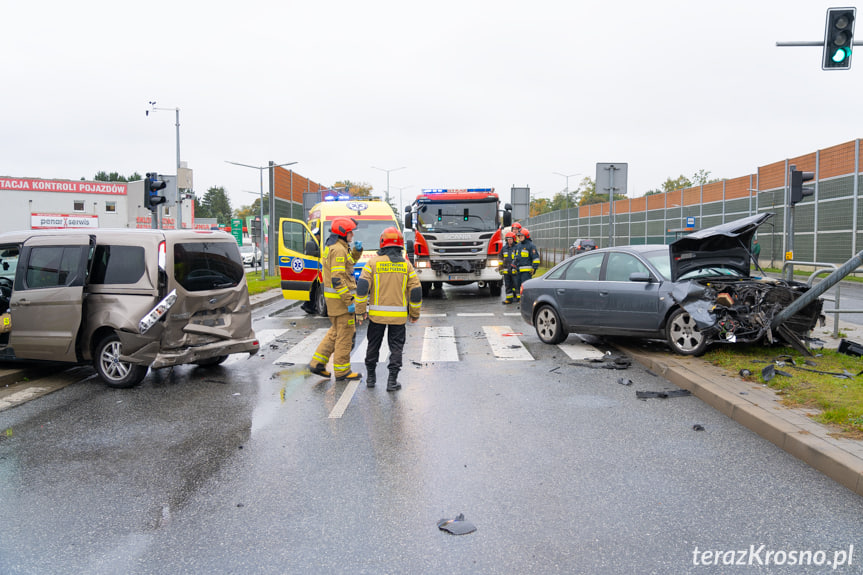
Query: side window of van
x=52 y=266
x=117 y=265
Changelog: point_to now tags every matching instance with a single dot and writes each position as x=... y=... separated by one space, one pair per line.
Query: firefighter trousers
x=338 y=342
x=396 y=341
x=508 y=287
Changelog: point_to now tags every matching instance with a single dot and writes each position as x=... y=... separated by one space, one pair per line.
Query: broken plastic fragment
x=744 y=372
x=698 y=427
x=624 y=381
x=662 y=394
x=457 y=526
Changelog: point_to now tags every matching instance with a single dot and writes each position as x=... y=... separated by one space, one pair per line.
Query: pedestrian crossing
x=437 y=344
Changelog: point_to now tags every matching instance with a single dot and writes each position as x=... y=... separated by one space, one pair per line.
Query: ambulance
x=301 y=243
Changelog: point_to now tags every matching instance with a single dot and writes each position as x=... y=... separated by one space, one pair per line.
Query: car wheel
x=116 y=373
x=682 y=334
x=494 y=288
x=548 y=326
x=211 y=361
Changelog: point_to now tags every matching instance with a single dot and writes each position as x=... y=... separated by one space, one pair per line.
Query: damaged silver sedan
x=692 y=293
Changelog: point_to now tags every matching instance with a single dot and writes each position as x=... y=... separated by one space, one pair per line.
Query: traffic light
x=152 y=186
x=798 y=191
x=256 y=230
x=838 y=38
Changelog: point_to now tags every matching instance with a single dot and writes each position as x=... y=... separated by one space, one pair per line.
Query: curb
x=759 y=410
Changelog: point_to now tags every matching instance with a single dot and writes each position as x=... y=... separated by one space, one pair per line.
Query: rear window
x=202 y=266
x=117 y=265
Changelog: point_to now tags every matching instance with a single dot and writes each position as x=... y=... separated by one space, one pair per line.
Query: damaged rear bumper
x=147 y=352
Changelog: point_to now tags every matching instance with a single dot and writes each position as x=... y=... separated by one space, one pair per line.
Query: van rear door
x=48 y=296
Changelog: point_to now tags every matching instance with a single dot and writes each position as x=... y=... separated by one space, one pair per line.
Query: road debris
x=605 y=362
x=457 y=526
x=850 y=348
x=698 y=427
x=624 y=381
x=662 y=394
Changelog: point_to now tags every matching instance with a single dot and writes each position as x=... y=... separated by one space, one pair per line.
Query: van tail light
x=157 y=312
x=162 y=256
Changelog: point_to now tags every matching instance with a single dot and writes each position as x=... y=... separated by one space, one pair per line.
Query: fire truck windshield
x=457 y=216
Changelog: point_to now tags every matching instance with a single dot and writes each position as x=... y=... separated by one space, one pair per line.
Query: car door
x=297 y=270
x=46 y=302
x=577 y=292
x=630 y=305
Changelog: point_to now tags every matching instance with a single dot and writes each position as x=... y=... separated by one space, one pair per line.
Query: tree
x=115 y=177
x=670 y=185
x=216 y=204
x=354 y=188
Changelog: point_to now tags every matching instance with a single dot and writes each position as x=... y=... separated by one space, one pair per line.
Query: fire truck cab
x=458 y=237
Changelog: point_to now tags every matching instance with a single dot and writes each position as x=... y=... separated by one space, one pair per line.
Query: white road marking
x=478 y=314
x=265 y=337
x=580 y=350
x=423 y=314
x=439 y=344
x=302 y=352
x=345 y=399
x=505 y=347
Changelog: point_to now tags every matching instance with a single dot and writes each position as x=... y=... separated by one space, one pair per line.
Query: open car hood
x=726 y=245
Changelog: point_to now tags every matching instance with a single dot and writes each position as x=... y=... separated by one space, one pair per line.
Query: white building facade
x=33 y=203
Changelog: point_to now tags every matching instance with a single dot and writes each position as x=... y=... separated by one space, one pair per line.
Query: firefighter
x=505 y=268
x=388 y=294
x=339 y=288
x=526 y=259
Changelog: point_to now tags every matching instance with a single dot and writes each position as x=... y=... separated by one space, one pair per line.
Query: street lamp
x=388 y=177
x=261 y=172
x=179 y=200
x=401 y=204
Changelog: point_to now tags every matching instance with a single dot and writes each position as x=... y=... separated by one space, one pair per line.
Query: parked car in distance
x=691 y=293
x=581 y=246
x=251 y=255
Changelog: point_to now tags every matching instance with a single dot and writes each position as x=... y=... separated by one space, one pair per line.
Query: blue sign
x=690 y=222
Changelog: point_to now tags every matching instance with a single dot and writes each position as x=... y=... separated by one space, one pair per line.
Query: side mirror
x=642 y=277
x=507 y=207
x=409 y=224
x=409 y=246
x=507 y=219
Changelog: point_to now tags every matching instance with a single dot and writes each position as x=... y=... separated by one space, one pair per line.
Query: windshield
x=465 y=216
x=661 y=261
x=369 y=232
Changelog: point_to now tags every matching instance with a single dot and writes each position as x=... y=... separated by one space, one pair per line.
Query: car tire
x=548 y=326
x=426 y=287
x=115 y=373
x=682 y=335
x=494 y=288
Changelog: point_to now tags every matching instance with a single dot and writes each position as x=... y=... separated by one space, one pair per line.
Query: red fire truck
x=458 y=237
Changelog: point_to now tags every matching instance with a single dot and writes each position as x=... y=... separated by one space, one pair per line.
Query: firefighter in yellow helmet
x=388 y=293
x=339 y=288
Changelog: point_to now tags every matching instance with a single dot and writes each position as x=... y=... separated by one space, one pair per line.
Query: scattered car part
x=457 y=526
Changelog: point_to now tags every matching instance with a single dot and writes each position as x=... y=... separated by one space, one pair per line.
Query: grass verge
x=253 y=279
x=839 y=398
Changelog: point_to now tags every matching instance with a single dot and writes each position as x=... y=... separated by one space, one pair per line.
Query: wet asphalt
x=241 y=469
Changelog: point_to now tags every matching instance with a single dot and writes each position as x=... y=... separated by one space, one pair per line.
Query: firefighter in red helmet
x=388 y=294
x=339 y=289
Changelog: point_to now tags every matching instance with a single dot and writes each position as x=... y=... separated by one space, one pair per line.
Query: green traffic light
x=840 y=55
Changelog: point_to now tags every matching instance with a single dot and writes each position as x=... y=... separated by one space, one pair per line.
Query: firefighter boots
x=392 y=381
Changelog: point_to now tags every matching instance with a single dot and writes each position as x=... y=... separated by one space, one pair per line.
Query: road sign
x=237 y=230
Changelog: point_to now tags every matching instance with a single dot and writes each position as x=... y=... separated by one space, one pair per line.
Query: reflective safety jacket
x=506 y=253
x=339 y=284
x=526 y=257
x=389 y=288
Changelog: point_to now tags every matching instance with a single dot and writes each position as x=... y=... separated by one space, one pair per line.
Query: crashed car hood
x=725 y=245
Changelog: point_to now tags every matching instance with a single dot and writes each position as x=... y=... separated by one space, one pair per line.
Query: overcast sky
x=461 y=93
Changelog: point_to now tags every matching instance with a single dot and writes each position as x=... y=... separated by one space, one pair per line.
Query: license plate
x=460 y=277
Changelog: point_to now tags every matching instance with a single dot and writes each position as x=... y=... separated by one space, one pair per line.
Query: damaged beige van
x=125 y=300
